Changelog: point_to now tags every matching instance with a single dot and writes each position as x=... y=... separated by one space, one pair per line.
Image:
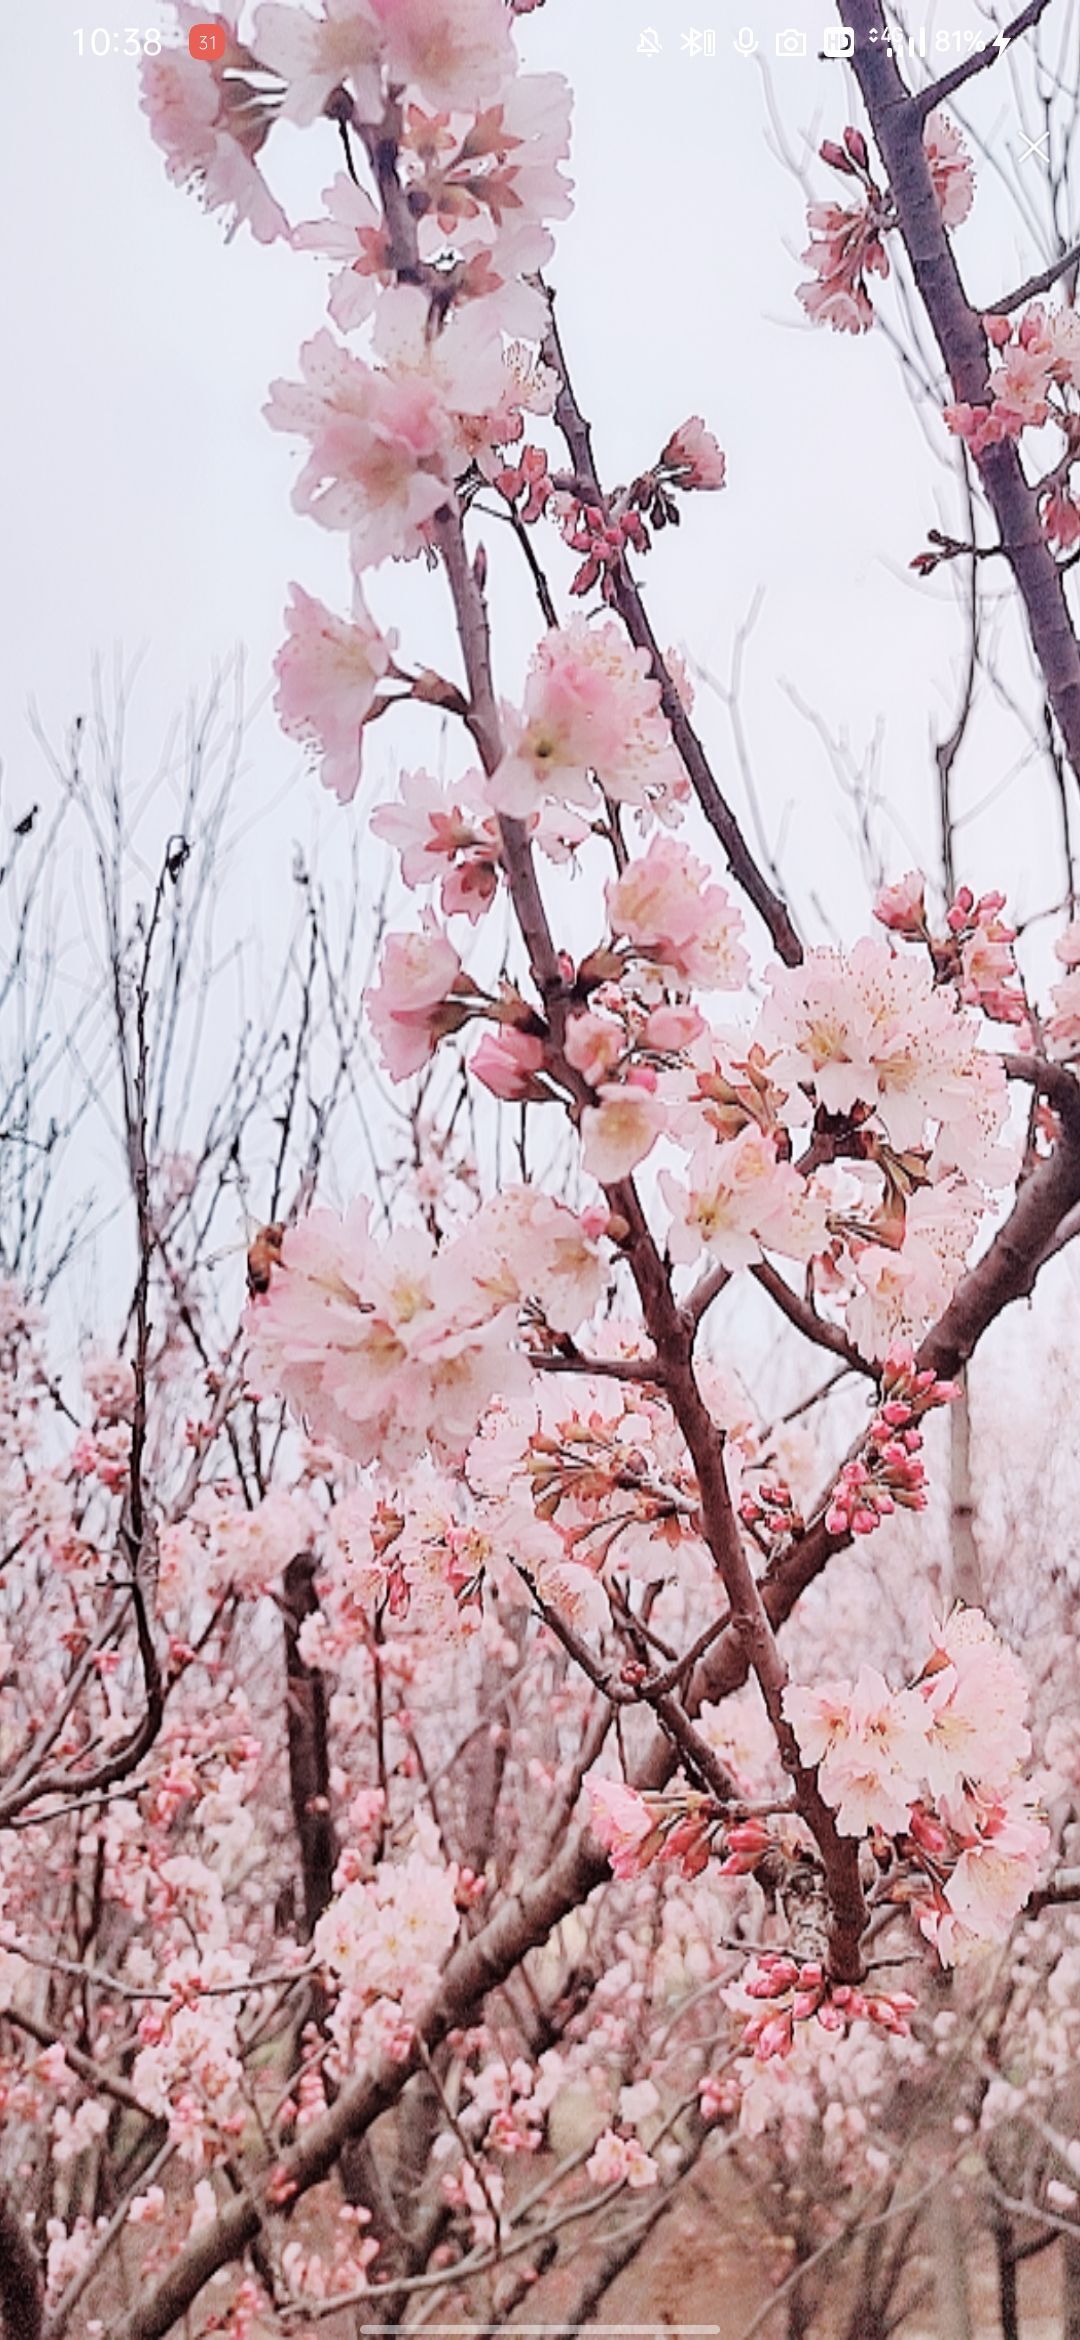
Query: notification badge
x=207 y=41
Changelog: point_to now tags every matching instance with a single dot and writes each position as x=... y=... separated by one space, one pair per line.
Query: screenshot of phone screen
x=539 y=1169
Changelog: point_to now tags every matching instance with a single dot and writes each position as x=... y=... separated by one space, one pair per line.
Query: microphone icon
x=745 y=41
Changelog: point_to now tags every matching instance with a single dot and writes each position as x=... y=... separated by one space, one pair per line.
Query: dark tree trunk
x=309 y=1751
x=21 y=2295
x=1070 y=2288
x=1008 y=2304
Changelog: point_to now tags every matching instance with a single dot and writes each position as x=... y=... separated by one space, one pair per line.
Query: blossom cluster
x=937 y=1767
x=797 y=1992
x=590 y=714
x=396 y=1348
x=1034 y=382
x=975 y=950
x=889 y=1471
x=847 y=242
x=685 y=1829
x=1063 y=1027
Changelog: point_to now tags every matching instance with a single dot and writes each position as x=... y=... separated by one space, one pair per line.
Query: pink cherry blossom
x=816 y=1029
x=353 y=233
x=408 y=1007
x=1037 y=351
x=1063 y=1028
x=482 y=190
x=673 y=1028
x=463 y=368
x=869 y=1027
x=873 y=1765
x=950 y=168
x=590 y=708
x=328 y=669
x=902 y=906
x=976 y=1701
x=1059 y=512
x=525 y=1243
x=1002 y=1846
x=899 y=1291
x=210 y=122
x=845 y=247
x=576 y=1594
x=622 y=1822
x=666 y=907
x=693 y=457
x=619 y=1131
x=818 y=1717
x=446 y=835
x=617 y=2160
x=507 y=1062
x=738 y=1196
x=847 y=243
x=459 y=54
x=382 y=1349
x=993 y=1878
x=988 y=972
x=388 y=1937
x=379 y=450
x=314 y=55
x=594 y=1045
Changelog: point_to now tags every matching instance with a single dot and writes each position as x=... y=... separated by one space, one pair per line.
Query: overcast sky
x=146 y=503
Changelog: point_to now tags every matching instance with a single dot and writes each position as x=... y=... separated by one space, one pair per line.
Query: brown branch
x=807 y=1321
x=980 y=59
x=600 y=1368
x=470 y=611
x=674 y=1722
x=1062 y=1887
x=752 y=1628
x=896 y=117
x=309 y=1753
x=21 y=2292
x=631 y=608
x=88 y=2070
x=1035 y=285
x=671 y=1333
x=1053 y=1081
x=713 y=1282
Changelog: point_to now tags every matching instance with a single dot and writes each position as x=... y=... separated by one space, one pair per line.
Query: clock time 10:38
x=128 y=43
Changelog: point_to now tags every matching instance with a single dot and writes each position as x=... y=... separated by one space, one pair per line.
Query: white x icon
x=1032 y=145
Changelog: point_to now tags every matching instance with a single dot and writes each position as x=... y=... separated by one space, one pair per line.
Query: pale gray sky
x=147 y=503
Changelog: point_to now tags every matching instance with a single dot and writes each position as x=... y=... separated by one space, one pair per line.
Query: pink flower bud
x=774 y=2038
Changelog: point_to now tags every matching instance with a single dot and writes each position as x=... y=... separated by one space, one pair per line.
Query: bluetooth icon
x=699 y=44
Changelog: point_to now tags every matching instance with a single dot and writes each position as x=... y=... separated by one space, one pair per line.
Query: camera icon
x=838 y=40
x=791 y=44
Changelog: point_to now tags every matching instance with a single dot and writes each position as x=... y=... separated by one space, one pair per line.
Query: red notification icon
x=207 y=42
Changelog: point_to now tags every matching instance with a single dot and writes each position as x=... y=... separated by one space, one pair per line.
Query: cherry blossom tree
x=468 y=1765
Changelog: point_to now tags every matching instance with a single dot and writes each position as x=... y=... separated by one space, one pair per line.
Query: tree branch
x=807 y=1321
x=1034 y=285
x=980 y=59
x=631 y=609
x=896 y=117
x=21 y=2292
